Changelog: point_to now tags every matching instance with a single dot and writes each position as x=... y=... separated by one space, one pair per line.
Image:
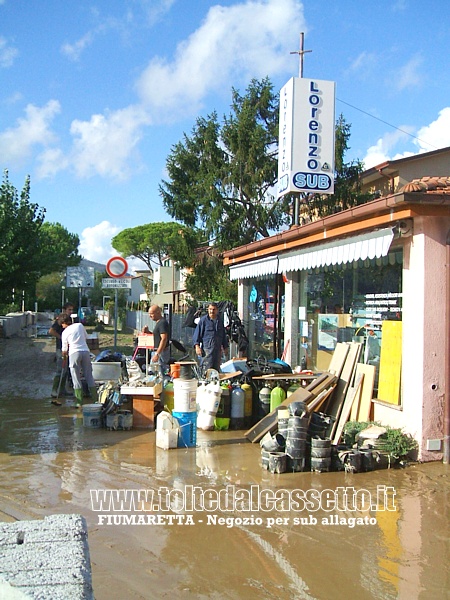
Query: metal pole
x=301 y=53
x=116 y=312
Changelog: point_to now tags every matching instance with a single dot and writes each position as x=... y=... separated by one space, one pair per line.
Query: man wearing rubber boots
x=74 y=346
x=60 y=378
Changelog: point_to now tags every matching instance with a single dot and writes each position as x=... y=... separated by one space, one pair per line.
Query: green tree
x=153 y=242
x=48 y=290
x=20 y=224
x=210 y=280
x=58 y=248
x=29 y=247
x=347 y=182
x=221 y=177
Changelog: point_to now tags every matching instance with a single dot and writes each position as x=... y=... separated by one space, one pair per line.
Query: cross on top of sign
x=116 y=266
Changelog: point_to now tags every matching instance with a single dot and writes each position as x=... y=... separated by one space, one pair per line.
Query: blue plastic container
x=188 y=429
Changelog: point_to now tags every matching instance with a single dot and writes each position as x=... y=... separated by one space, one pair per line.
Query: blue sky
x=94 y=94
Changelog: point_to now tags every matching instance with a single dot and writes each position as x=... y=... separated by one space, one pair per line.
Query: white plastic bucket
x=184 y=395
x=92 y=415
x=208 y=399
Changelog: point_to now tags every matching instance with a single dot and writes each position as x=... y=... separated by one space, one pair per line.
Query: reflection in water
x=50 y=463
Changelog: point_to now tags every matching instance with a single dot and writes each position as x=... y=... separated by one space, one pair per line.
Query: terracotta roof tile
x=428 y=184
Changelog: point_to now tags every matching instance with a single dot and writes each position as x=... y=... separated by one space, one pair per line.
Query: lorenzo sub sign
x=116 y=266
x=306 y=137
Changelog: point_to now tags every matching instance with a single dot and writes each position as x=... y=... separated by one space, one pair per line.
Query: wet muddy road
x=208 y=522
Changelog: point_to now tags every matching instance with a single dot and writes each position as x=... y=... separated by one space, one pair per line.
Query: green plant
x=352 y=428
x=91 y=320
x=397 y=443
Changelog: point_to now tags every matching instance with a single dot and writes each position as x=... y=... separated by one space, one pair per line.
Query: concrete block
x=46 y=559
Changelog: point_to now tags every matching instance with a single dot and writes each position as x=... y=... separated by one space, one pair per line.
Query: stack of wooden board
x=352 y=398
x=344 y=391
x=313 y=395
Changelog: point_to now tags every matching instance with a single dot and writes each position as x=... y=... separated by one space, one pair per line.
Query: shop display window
x=350 y=303
x=262 y=314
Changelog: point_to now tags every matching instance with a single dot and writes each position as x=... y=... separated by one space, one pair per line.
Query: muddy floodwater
x=224 y=528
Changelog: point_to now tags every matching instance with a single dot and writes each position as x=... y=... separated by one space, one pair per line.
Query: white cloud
x=151 y=10
x=436 y=134
x=378 y=154
x=73 y=51
x=50 y=162
x=95 y=244
x=233 y=42
x=16 y=143
x=253 y=38
x=409 y=75
x=7 y=53
x=155 y=10
x=105 y=144
x=429 y=137
x=363 y=63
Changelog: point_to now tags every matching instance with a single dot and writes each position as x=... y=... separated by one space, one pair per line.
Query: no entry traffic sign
x=116 y=266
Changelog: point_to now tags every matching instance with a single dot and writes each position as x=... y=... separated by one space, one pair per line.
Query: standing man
x=74 y=345
x=210 y=338
x=60 y=378
x=161 y=338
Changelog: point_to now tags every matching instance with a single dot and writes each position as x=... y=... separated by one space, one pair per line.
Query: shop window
x=350 y=303
x=262 y=314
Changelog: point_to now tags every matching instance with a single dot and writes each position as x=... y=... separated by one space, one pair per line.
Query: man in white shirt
x=74 y=346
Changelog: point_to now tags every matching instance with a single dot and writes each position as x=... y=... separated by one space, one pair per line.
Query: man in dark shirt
x=161 y=332
x=210 y=338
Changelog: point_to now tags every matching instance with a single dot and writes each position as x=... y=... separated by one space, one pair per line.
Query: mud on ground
x=50 y=464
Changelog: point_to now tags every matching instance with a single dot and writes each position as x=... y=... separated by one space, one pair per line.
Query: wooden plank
x=338 y=358
x=322 y=382
x=302 y=394
x=337 y=399
x=356 y=404
x=317 y=402
x=367 y=391
x=288 y=376
x=350 y=397
x=269 y=422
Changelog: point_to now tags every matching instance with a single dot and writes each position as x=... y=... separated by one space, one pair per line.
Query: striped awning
x=257 y=268
x=369 y=245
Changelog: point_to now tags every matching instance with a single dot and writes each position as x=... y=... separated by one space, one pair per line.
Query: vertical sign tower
x=306 y=135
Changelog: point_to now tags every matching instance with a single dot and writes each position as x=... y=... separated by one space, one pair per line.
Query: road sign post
x=116 y=268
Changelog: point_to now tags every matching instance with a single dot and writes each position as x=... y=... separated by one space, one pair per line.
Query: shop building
x=377 y=273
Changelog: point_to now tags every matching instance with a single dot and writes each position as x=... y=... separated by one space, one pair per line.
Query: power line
x=388 y=124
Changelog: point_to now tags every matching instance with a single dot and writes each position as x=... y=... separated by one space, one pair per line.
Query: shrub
x=397 y=443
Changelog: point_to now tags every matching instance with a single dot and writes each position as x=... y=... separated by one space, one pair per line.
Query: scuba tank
x=291 y=389
x=264 y=400
x=237 y=407
x=222 y=420
x=248 y=403
x=168 y=396
x=277 y=395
